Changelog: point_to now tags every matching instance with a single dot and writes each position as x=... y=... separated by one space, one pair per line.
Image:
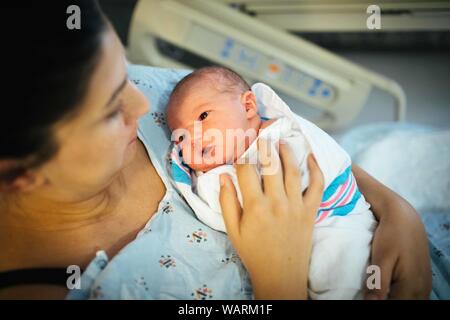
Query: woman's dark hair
x=49 y=67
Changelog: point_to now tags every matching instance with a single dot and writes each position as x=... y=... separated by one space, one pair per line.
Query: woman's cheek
x=116 y=132
x=109 y=143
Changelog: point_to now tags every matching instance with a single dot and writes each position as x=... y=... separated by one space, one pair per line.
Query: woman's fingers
x=271 y=170
x=291 y=171
x=231 y=208
x=409 y=279
x=261 y=234
x=313 y=195
x=385 y=263
x=248 y=183
x=405 y=289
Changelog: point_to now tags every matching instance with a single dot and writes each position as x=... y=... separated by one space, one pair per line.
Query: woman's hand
x=272 y=233
x=400 y=244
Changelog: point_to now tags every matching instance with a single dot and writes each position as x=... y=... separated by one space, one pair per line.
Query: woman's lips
x=132 y=140
x=133 y=135
x=209 y=151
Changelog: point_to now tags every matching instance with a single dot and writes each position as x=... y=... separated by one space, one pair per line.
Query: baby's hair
x=223 y=79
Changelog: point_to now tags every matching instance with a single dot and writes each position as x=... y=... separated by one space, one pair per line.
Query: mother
x=74 y=177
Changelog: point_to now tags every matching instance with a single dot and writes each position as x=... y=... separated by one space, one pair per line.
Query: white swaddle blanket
x=344 y=223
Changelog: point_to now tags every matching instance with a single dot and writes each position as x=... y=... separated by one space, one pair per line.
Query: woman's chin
x=130 y=152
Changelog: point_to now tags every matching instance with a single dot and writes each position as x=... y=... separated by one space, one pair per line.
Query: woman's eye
x=203 y=116
x=115 y=113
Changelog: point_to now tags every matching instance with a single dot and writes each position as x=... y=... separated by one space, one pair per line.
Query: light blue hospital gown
x=175 y=256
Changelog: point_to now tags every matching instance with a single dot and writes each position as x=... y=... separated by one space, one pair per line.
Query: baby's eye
x=180 y=138
x=203 y=115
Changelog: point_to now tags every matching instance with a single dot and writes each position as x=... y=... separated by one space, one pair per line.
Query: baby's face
x=205 y=123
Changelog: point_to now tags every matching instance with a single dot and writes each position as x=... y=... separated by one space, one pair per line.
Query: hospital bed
x=347 y=15
x=190 y=33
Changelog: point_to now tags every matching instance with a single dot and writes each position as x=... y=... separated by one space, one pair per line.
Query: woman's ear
x=27 y=181
x=248 y=100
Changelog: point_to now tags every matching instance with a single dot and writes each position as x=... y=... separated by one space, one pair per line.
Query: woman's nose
x=138 y=105
x=142 y=103
x=145 y=107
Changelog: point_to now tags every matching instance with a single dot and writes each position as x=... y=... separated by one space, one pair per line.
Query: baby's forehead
x=213 y=79
x=200 y=92
x=199 y=89
x=209 y=83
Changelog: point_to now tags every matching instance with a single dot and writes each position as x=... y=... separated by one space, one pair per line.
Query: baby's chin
x=205 y=166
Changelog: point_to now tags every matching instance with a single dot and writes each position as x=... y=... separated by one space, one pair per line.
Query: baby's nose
x=196 y=141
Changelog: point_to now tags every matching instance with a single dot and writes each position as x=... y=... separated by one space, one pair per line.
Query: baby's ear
x=248 y=100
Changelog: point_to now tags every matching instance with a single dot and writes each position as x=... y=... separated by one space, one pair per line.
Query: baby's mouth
x=208 y=151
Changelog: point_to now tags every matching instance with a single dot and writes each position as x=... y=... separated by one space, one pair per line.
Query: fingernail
x=282 y=141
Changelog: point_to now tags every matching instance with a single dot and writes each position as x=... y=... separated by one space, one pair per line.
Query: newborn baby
x=216 y=120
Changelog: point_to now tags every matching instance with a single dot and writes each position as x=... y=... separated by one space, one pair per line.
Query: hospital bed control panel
x=237 y=54
x=245 y=59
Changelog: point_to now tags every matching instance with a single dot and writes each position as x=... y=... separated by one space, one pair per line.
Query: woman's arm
x=400 y=244
x=272 y=233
